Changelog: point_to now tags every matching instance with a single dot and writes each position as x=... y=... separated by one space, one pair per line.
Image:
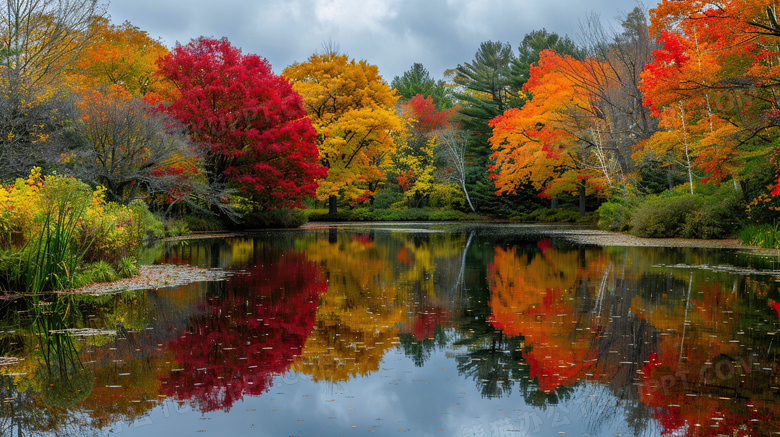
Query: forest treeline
x=663 y=126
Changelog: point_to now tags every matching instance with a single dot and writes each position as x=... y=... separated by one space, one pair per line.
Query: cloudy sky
x=392 y=34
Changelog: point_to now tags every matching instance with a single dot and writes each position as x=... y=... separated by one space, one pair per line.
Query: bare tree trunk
x=453 y=143
x=685 y=142
x=466 y=193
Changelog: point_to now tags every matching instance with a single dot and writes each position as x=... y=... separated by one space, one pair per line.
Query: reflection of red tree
x=701 y=383
x=776 y=306
x=247 y=336
x=682 y=405
x=424 y=326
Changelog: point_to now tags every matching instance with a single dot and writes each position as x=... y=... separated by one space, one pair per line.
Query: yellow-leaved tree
x=353 y=111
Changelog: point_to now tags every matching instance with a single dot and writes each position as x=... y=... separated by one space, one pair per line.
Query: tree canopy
x=353 y=112
x=253 y=122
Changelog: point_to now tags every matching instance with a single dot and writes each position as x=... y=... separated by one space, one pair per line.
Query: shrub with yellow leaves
x=50 y=226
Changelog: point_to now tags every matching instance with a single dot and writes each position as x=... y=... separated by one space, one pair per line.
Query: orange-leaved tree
x=714 y=83
x=353 y=111
x=553 y=140
x=121 y=55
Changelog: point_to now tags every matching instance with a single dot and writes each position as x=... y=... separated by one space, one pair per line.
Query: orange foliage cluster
x=713 y=81
x=533 y=298
x=541 y=142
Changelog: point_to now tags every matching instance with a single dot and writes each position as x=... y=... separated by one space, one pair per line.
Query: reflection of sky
x=399 y=398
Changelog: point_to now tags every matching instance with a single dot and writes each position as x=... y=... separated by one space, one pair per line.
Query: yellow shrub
x=104 y=230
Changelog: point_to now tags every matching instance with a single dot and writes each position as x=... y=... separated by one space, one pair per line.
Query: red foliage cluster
x=427 y=118
x=251 y=119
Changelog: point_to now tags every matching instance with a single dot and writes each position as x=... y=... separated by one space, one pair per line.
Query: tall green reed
x=51 y=255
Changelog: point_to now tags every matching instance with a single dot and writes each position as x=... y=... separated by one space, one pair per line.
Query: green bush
x=446 y=215
x=660 y=217
x=383 y=199
x=547 y=215
x=145 y=224
x=414 y=214
x=322 y=215
x=391 y=214
x=447 y=196
x=754 y=235
x=100 y=271
x=203 y=223
x=718 y=218
x=614 y=216
x=361 y=214
x=176 y=227
x=714 y=214
x=127 y=267
x=275 y=218
x=52 y=225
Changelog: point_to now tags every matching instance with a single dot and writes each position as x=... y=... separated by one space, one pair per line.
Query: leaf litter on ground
x=156 y=276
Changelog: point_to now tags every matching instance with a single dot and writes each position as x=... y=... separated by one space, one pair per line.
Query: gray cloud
x=392 y=34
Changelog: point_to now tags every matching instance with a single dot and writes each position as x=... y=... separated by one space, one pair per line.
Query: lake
x=424 y=329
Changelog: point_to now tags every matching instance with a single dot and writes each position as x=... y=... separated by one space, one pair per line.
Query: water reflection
x=676 y=346
x=246 y=333
x=639 y=341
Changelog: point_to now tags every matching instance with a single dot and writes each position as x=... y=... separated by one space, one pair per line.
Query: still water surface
x=430 y=330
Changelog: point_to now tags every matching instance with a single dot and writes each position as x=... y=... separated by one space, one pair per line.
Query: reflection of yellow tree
x=534 y=296
x=23 y=371
x=421 y=257
x=356 y=321
x=127 y=383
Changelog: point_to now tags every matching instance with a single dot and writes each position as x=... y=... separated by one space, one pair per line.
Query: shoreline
x=158 y=276
x=584 y=236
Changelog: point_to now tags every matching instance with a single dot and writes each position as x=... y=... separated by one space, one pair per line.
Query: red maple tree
x=253 y=122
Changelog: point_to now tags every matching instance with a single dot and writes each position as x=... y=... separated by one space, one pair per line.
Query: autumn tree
x=714 y=84
x=353 y=111
x=31 y=131
x=129 y=150
x=587 y=111
x=40 y=38
x=121 y=55
x=414 y=160
x=253 y=122
x=529 y=49
x=545 y=142
x=613 y=82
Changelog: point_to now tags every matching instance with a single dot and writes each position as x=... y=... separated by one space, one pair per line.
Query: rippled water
x=446 y=330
